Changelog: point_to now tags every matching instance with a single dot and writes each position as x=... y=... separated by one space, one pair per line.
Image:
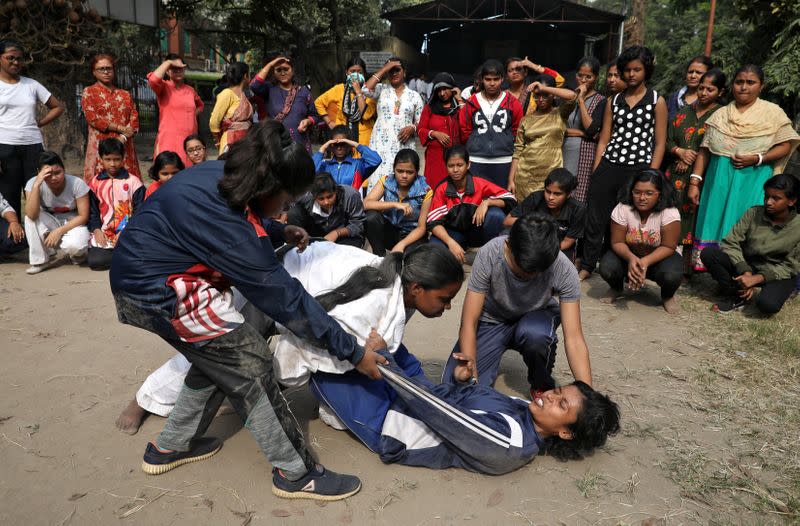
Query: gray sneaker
x=317 y=484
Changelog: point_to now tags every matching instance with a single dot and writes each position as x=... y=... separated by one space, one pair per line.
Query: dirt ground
x=69 y=367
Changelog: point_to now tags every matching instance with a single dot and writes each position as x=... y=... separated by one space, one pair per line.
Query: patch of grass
x=590 y=483
x=748 y=387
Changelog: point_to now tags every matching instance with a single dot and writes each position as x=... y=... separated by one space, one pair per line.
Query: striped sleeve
x=492 y=191
x=438 y=209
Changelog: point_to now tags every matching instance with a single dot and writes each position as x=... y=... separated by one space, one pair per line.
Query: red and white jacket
x=454 y=211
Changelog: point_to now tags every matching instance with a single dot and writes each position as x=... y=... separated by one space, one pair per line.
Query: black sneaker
x=728 y=306
x=156 y=462
x=317 y=484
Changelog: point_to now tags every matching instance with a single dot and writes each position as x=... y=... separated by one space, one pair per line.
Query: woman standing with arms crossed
x=178 y=106
x=287 y=101
x=20 y=133
x=111 y=114
x=438 y=126
x=633 y=137
x=233 y=113
x=746 y=142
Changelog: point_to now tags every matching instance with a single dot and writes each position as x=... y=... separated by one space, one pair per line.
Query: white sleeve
x=42 y=94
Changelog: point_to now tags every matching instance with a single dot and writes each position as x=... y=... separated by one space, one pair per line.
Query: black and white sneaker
x=157 y=462
x=317 y=484
x=729 y=306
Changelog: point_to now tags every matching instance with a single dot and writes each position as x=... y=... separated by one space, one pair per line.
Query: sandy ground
x=69 y=367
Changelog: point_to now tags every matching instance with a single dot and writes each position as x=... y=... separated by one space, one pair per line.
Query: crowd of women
x=546 y=181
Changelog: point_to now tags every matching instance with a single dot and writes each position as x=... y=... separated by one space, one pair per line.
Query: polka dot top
x=632 y=130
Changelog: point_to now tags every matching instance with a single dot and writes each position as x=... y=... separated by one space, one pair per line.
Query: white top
x=64 y=205
x=490 y=108
x=18 y=111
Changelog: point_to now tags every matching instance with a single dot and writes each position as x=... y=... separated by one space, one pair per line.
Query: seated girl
x=761 y=250
x=330 y=210
x=195 y=148
x=56 y=213
x=12 y=235
x=345 y=168
x=397 y=207
x=466 y=211
x=645 y=227
x=114 y=198
x=555 y=201
x=165 y=165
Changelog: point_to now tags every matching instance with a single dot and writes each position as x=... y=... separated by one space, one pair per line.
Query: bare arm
x=55 y=109
x=670 y=235
x=605 y=135
x=660 y=133
x=378 y=75
x=468 y=332
x=574 y=342
x=419 y=231
x=373 y=200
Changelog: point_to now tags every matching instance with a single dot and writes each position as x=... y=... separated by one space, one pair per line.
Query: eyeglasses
x=646 y=193
x=196 y=149
x=14 y=58
x=104 y=70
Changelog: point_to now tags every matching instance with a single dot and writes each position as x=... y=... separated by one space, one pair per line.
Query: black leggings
x=668 y=272
x=17 y=165
x=383 y=235
x=773 y=293
x=604 y=188
x=99 y=258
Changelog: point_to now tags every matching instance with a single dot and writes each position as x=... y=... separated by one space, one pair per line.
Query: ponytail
x=430 y=266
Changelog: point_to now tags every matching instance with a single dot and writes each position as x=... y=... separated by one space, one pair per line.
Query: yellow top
x=330 y=104
x=227 y=102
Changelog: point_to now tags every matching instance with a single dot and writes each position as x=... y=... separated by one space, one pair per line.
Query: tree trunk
x=67 y=134
x=634 y=26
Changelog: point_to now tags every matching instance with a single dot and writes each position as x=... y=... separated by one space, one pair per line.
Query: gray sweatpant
x=237 y=365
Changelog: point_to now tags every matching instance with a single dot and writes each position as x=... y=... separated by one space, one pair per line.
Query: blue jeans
x=533 y=336
x=477 y=236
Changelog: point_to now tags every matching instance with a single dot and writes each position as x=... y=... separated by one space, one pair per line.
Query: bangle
x=760 y=159
x=429 y=134
x=376 y=77
x=695 y=176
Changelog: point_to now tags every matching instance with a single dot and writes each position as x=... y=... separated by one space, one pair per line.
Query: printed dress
x=394 y=113
x=102 y=108
x=686 y=130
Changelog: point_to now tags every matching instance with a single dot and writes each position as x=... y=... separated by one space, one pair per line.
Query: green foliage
x=676 y=32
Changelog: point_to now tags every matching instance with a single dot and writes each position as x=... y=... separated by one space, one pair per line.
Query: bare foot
x=611 y=296
x=584 y=274
x=671 y=305
x=131 y=418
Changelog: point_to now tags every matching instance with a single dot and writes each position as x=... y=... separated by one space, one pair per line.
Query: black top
x=570 y=221
x=632 y=130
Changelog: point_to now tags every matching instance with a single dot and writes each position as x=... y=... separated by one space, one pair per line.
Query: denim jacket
x=416 y=196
